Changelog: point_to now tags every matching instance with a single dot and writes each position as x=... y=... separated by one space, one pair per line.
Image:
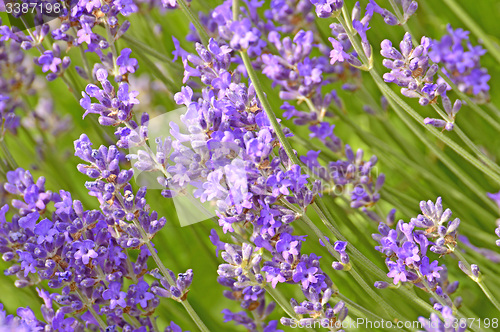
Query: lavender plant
x=271 y=109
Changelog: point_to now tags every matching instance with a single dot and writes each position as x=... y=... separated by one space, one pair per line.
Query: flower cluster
x=242 y=275
x=406 y=246
x=77 y=26
x=114 y=107
x=82 y=254
x=224 y=148
x=412 y=71
x=462 y=65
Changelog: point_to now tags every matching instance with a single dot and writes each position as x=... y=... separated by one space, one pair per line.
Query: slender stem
x=169 y=84
x=267 y=108
x=86 y=65
x=91 y=309
x=71 y=87
x=166 y=274
x=468 y=141
x=353 y=40
x=401 y=19
x=111 y=40
x=280 y=299
x=489 y=295
x=194 y=19
x=474 y=27
x=478 y=280
x=454 y=146
x=361 y=310
x=476 y=150
x=386 y=149
x=387 y=91
x=494 y=109
x=466 y=179
x=8 y=155
x=145 y=48
x=236 y=9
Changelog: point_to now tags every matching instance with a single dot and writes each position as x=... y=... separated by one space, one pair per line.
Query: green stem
x=144 y=47
x=282 y=302
x=86 y=65
x=353 y=40
x=267 y=108
x=111 y=40
x=8 y=155
x=236 y=9
x=454 y=146
x=468 y=141
x=494 y=109
x=91 y=309
x=478 y=280
x=194 y=19
x=360 y=309
x=169 y=84
x=386 y=150
x=388 y=92
x=488 y=294
x=185 y=303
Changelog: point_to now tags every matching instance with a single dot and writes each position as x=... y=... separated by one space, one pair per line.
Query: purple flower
x=214 y=238
x=460 y=64
x=115 y=296
x=340 y=246
x=322 y=130
x=141 y=295
x=289 y=245
x=337 y=54
x=173 y=327
x=85 y=251
x=397 y=271
x=28 y=263
x=430 y=271
x=409 y=253
x=361 y=29
x=305 y=275
x=85 y=34
x=126 y=7
x=244 y=35
x=45 y=231
x=252 y=293
x=126 y=64
x=273 y=275
x=49 y=62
